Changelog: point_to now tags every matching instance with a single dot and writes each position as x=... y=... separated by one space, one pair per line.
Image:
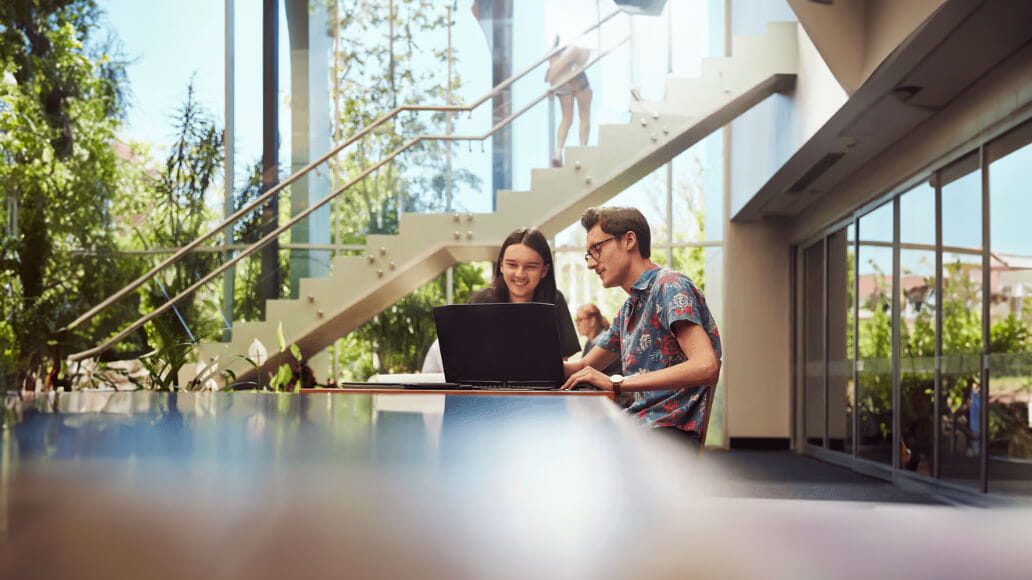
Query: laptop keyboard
x=511 y=387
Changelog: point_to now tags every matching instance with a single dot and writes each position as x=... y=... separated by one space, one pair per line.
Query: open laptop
x=500 y=346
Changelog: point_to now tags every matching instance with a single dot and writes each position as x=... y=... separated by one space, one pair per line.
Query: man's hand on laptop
x=579 y=375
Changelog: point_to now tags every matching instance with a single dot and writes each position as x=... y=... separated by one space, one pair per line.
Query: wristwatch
x=615 y=381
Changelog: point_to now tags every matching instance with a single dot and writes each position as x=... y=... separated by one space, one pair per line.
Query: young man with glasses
x=664 y=333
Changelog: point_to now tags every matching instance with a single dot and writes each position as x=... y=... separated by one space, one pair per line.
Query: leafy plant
x=164 y=365
x=290 y=376
x=396 y=340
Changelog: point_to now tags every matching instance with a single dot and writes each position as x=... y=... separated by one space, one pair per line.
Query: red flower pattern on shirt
x=642 y=332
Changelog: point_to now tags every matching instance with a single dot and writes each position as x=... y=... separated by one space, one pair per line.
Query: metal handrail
x=306 y=169
x=312 y=208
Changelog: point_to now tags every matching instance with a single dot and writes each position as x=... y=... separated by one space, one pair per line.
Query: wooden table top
x=393 y=390
x=263 y=485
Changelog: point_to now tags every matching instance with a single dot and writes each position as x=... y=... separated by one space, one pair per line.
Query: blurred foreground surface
x=262 y=485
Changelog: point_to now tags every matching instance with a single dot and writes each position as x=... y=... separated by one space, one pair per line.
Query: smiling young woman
x=523 y=272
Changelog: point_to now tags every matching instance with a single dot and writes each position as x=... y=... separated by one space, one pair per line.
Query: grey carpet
x=788 y=475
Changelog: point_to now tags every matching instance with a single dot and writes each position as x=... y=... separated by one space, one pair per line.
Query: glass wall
x=874 y=339
x=162 y=69
x=286 y=81
x=961 y=321
x=1010 y=350
x=935 y=288
x=917 y=278
x=813 y=343
x=827 y=296
x=840 y=265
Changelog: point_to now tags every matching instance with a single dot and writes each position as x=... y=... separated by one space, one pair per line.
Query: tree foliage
x=247 y=303
x=961 y=362
x=387 y=55
x=75 y=197
x=178 y=215
x=399 y=337
x=61 y=97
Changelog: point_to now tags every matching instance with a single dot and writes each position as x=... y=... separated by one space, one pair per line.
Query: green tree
x=689 y=225
x=247 y=304
x=401 y=335
x=61 y=99
x=961 y=303
x=389 y=54
x=179 y=214
x=874 y=345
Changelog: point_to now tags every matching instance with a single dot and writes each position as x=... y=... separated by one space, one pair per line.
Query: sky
x=167 y=44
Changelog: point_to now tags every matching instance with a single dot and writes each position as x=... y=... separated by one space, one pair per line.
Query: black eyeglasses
x=595 y=250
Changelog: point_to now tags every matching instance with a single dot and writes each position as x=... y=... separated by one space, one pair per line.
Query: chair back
x=711 y=393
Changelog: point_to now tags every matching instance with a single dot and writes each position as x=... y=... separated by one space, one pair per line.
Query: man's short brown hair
x=617 y=221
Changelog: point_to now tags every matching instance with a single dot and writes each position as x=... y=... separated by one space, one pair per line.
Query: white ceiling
x=957 y=45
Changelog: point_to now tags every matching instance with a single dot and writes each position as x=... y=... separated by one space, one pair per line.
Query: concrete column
x=756 y=330
x=310 y=134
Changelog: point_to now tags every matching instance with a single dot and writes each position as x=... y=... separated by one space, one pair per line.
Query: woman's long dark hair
x=535 y=240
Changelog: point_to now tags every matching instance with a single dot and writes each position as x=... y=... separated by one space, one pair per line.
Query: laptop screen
x=500 y=344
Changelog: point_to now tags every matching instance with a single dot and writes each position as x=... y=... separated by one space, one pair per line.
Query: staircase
x=394 y=265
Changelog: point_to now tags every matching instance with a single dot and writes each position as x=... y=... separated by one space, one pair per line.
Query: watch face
x=616 y=379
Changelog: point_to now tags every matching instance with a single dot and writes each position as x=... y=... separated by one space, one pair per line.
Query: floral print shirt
x=642 y=333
